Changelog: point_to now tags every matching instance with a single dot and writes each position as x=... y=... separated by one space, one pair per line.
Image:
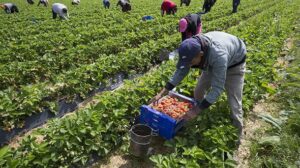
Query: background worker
x=106 y=4
x=221 y=57
x=190 y=25
x=9 y=8
x=235 y=4
x=60 y=10
x=44 y=2
x=186 y=2
x=75 y=2
x=125 y=5
x=208 y=4
x=168 y=7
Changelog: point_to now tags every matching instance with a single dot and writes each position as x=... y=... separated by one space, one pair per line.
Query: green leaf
x=268 y=118
x=4 y=151
x=271 y=140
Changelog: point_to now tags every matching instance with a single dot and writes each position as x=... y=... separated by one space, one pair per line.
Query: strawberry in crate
x=173 y=107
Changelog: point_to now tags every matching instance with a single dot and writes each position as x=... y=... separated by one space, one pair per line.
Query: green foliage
x=208 y=141
x=281 y=147
x=60 y=68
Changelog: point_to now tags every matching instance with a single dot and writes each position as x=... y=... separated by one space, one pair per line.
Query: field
x=43 y=61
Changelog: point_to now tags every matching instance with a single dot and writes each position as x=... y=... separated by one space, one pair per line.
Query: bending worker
x=9 y=8
x=106 y=4
x=222 y=57
x=186 y=2
x=190 y=25
x=125 y=4
x=168 y=7
x=61 y=10
x=208 y=4
x=44 y=2
x=75 y=2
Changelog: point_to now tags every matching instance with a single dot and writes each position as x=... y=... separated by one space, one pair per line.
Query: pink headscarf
x=183 y=24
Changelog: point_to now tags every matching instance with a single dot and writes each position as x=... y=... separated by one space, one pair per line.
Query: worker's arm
x=219 y=70
x=174 y=81
x=177 y=77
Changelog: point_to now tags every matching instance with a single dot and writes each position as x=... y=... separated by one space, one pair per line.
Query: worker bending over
x=168 y=7
x=186 y=2
x=208 y=4
x=60 y=10
x=190 y=25
x=44 y=2
x=9 y=8
x=75 y=2
x=125 y=5
x=106 y=4
x=221 y=57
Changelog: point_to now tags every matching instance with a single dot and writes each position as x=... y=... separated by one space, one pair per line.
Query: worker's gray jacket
x=224 y=51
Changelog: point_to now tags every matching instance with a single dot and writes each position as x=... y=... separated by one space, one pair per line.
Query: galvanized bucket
x=140 y=139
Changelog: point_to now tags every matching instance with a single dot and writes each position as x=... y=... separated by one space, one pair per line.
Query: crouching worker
x=186 y=2
x=75 y=2
x=208 y=4
x=125 y=4
x=9 y=8
x=168 y=7
x=106 y=4
x=190 y=25
x=221 y=57
x=44 y=2
x=61 y=10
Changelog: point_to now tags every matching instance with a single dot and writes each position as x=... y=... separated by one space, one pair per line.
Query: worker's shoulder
x=220 y=36
x=217 y=33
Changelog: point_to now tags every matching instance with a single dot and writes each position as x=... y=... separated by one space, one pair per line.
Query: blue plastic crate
x=165 y=125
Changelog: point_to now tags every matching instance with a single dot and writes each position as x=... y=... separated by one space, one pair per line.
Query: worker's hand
x=155 y=99
x=193 y=113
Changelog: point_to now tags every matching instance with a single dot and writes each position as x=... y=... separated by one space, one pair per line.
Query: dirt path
x=117 y=160
x=253 y=126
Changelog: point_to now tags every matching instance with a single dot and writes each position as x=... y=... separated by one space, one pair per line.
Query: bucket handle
x=154 y=132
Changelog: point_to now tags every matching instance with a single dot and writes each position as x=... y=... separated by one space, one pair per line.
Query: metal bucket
x=140 y=139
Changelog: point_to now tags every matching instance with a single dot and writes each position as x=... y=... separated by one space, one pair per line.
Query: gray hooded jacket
x=224 y=51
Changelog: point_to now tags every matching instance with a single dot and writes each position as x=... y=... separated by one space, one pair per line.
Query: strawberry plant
x=208 y=141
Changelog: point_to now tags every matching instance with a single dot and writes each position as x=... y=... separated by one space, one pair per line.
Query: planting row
x=17 y=104
x=99 y=129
